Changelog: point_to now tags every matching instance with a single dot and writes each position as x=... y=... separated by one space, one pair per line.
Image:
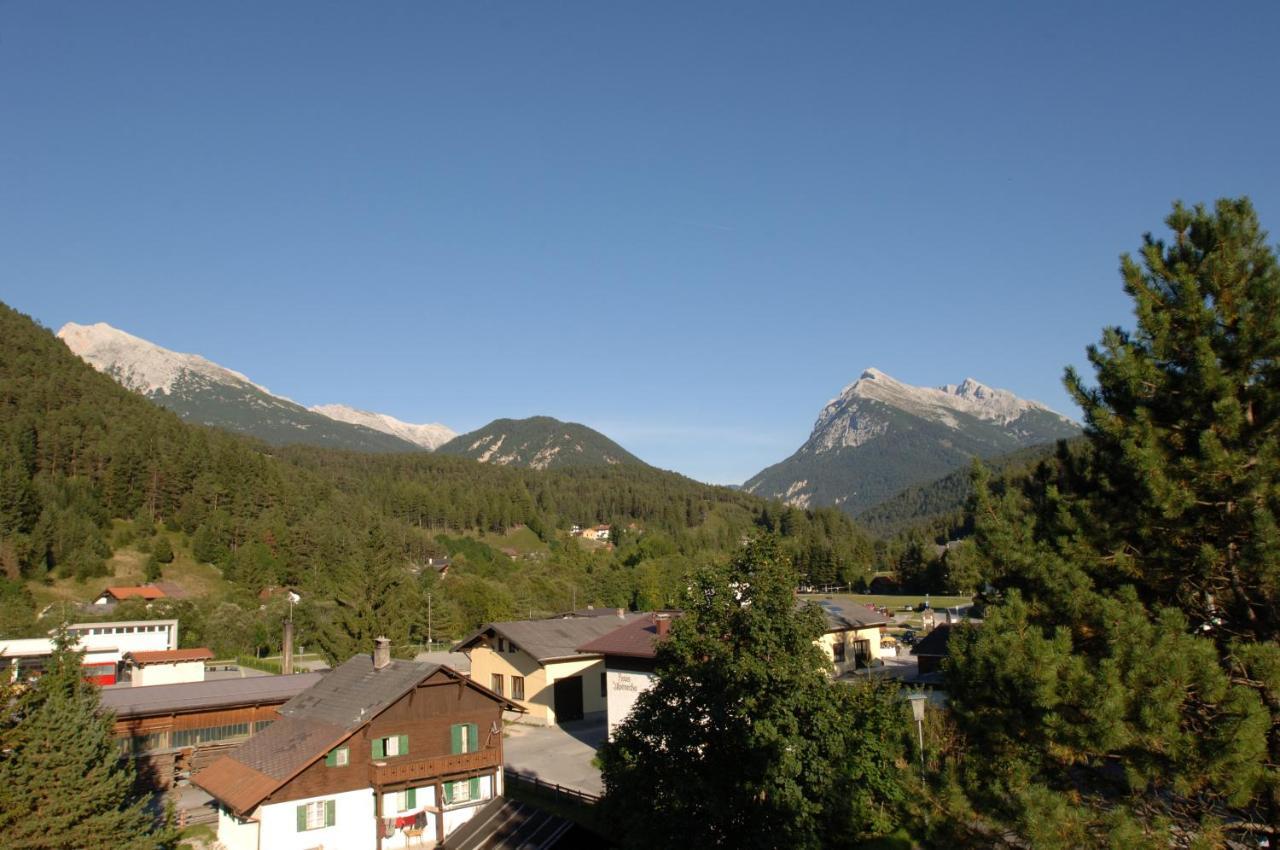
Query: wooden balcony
x=409 y=769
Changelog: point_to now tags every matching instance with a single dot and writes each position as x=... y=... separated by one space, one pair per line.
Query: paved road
x=557 y=754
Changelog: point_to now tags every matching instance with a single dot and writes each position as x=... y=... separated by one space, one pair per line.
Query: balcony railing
x=408 y=769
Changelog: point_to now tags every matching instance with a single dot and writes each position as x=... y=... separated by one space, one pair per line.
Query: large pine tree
x=62 y=780
x=1126 y=687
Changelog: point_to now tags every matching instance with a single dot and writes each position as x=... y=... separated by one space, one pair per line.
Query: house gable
x=423 y=718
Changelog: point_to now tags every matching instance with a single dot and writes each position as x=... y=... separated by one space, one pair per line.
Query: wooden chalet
x=380 y=753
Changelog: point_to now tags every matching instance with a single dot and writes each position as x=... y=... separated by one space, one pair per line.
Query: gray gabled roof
x=550 y=640
x=128 y=701
x=355 y=692
x=846 y=615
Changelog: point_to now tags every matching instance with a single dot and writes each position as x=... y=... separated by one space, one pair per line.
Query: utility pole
x=428 y=622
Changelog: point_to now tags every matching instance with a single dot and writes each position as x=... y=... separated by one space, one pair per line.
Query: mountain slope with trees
x=79 y=455
x=539 y=442
x=940 y=505
x=205 y=393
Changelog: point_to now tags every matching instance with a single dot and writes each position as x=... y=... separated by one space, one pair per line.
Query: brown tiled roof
x=637 y=639
x=238 y=786
x=171 y=656
x=146 y=592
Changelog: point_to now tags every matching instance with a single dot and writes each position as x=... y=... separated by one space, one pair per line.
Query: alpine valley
x=881 y=436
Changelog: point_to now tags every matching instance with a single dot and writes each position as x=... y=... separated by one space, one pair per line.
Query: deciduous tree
x=745 y=740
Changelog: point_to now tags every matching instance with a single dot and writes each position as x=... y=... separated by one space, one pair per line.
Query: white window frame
x=315 y=815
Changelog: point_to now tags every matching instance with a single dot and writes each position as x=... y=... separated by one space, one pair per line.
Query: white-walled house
x=377 y=754
x=166 y=666
x=629 y=653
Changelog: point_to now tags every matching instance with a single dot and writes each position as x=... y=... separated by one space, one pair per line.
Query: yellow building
x=852 y=639
x=536 y=663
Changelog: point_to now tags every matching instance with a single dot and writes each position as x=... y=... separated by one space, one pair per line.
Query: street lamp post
x=917 y=711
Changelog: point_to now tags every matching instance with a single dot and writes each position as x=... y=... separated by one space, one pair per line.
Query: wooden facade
x=426 y=715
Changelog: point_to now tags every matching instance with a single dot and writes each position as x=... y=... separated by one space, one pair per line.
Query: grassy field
x=522 y=540
x=127 y=567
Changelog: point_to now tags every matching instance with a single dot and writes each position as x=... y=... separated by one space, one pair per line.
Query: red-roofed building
x=119 y=594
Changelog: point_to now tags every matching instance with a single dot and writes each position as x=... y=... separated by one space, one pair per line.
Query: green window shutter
x=331 y=760
x=473 y=736
x=379 y=749
x=302 y=818
x=455 y=732
x=475 y=788
x=411 y=798
x=330 y=812
x=404 y=745
x=448 y=791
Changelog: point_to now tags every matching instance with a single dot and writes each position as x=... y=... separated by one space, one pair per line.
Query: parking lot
x=560 y=755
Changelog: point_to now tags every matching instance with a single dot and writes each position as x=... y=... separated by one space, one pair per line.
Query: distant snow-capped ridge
x=430 y=436
x=200 y=390
x=140 y=365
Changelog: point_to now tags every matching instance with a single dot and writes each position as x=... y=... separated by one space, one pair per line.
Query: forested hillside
x=938 y=508
x=350 y=531
x=538 y=442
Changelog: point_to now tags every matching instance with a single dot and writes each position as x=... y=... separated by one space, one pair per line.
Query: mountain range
x=881 y=436
x=876 y=441
x=201 y=391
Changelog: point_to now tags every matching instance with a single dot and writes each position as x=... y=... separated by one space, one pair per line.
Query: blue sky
x=688 y=225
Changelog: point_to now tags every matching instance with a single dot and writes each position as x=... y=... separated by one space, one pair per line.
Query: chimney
x=663 y=624
x=286 y=661
x=381 y=653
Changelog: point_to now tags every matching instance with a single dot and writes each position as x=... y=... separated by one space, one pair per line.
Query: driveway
x=560 y=755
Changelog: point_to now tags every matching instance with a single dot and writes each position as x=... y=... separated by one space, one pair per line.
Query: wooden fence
x=512 y=777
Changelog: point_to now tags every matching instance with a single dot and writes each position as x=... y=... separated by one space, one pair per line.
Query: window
x=502 y=645
x=462 y=792
x=406 y=799
x=837 y=649
x=517 y=687
x=495 y=683
x=316 y=815
x=511 y=648
x=209 y=734
x=395 y=745
x=603 y=689
x=340 y=757
x=465 y=738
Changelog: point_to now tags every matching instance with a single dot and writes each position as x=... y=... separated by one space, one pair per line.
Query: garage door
x=568 y=694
